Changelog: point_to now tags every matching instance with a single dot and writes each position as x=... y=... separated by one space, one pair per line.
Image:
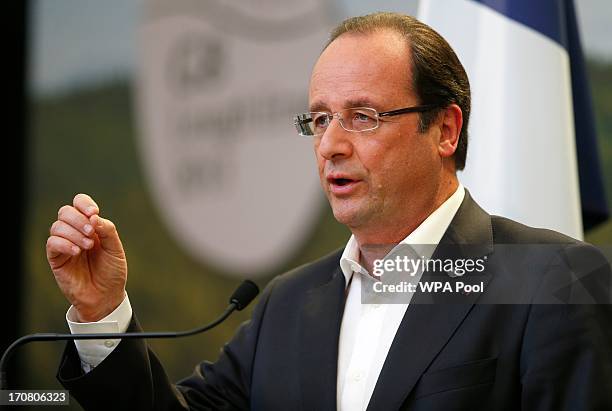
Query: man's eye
x=362 y=117
x=321 y=121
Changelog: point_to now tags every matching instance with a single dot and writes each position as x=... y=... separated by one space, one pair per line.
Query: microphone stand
x=245 y=293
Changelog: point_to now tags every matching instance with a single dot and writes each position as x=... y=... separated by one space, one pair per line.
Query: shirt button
x=358 y=376
x=109 y=343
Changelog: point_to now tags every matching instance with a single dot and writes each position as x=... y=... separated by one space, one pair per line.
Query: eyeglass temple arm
x=416 y=109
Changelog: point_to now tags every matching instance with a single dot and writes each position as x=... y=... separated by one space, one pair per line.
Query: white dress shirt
x=368 y=330
x=92 y=352
x=366 y=333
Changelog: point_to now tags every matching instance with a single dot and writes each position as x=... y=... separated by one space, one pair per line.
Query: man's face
x=375 y=177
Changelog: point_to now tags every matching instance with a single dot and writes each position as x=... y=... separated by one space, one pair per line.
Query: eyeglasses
x=356 y=119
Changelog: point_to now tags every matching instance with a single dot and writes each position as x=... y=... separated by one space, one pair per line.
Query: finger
x=62 y=229
x=107 y=234
x=59 y=250
x=85 y=204
x=76 y=219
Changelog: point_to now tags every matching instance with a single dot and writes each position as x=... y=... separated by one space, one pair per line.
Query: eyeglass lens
x=352 y=119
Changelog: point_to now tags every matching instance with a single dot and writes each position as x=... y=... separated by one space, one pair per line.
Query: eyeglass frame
x=406 y=110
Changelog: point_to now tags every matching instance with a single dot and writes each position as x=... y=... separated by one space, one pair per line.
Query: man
x=389 y=108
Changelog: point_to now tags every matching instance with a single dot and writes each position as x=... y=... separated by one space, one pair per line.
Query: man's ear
x=450 y=128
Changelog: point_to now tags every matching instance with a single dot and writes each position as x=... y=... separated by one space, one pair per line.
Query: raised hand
x=87 y=259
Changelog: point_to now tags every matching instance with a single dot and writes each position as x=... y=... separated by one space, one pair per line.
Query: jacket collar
x=469 y=234
x=435 y=317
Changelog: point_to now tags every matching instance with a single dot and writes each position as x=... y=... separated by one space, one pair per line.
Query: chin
x=342 y=218
x=347 y=216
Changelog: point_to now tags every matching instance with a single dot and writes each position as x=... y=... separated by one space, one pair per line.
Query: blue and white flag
x=532 y=151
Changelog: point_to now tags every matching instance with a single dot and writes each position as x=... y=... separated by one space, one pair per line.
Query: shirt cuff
x=93 y=352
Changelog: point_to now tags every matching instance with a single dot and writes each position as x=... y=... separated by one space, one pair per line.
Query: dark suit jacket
x=464 y=352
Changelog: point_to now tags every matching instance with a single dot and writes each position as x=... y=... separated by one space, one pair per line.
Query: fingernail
x=91 y=210
x=87 y=242
x=75 y=250
x=88 y=229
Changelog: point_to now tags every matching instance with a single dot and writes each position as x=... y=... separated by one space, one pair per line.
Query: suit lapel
x=320 y=331
x=429 y=321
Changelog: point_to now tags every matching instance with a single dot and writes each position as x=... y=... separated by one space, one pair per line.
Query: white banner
x=219 y=83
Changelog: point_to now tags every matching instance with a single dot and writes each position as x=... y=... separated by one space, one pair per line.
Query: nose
x=335 y=143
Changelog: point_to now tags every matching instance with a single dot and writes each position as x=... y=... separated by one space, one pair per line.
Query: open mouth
x=342 y=181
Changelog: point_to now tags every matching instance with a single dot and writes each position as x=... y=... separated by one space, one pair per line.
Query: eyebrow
x=350 y=103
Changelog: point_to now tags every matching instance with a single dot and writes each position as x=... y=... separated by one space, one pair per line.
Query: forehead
x=355 y=67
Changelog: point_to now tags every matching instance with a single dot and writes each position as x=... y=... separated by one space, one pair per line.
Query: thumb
x=107 y=234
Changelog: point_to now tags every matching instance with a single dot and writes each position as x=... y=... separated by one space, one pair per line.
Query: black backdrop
x=14 y=148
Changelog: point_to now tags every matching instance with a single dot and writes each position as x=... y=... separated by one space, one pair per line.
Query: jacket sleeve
x=132 y=377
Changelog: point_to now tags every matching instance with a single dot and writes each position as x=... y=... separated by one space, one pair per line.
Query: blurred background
x=116 y=97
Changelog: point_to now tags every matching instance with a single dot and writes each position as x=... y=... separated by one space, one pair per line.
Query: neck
x=376 y=241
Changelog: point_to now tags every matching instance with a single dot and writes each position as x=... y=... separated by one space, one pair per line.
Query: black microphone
x=244 y=294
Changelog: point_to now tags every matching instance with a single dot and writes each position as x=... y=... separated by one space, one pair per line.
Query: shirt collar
x=430 y=231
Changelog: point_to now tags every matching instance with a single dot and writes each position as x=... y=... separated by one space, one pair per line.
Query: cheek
x=321 y=170
x=371 y=154
x=318 y=157
x=401 y=163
